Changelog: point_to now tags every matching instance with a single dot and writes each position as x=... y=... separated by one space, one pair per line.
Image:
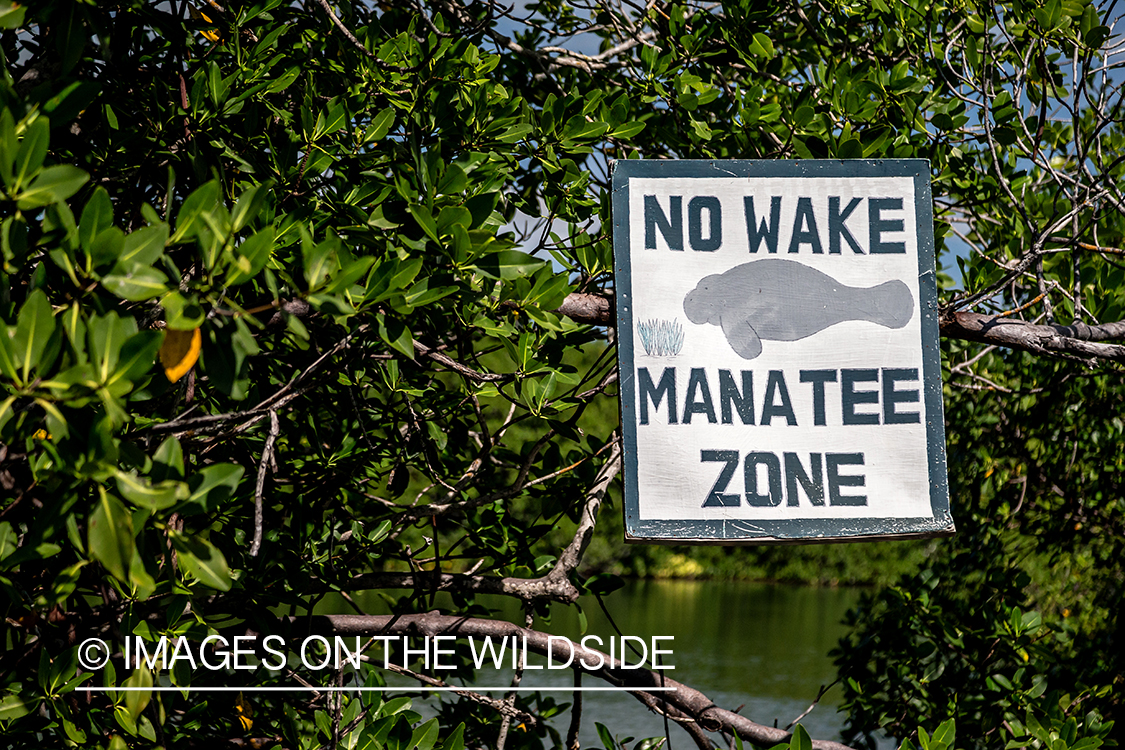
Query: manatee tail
x=889 y=304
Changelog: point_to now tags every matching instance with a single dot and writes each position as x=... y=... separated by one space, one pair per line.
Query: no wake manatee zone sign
x=778 y=347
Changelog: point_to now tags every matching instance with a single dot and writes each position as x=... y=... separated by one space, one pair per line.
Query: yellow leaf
x=245 y=711
x=208 y=34
x=179 y=352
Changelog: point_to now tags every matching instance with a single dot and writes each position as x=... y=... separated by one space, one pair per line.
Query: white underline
x=315 y=689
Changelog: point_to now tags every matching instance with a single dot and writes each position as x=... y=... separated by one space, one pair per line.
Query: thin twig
x=823 y=689
x=263 y=466
x=575 y=714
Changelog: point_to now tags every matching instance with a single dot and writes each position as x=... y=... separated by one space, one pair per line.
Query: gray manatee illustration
x=782 y=300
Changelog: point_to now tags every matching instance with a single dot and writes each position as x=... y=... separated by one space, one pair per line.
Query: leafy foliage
x=279 y=318
x=1015 y=627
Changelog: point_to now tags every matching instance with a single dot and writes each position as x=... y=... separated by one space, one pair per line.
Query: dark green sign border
x=789 y=531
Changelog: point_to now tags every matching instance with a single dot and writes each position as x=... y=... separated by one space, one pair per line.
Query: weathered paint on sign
x=778 y=349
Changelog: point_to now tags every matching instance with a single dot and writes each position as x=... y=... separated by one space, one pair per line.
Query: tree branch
x=683 y=699
x=572 y=555
x=457 y=367
x=1077 y=340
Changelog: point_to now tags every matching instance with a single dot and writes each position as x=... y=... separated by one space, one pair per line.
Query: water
x=760 y=646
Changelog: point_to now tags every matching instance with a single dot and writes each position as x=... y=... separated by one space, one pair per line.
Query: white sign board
x=778 y=349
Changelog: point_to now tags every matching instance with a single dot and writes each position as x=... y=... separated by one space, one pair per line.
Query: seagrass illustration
x=661 y=338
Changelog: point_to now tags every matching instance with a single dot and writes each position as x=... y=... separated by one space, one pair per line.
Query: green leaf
x=283 y=81
x=12 y=705
x=627 y=130
x=249 y=205
x=251 y=256
x=396 y=335
x=515 y=132
x=106 y=334
x=425 y=220
x=32 y=151
x=199 y=558
x=63 y=257
x=453 y=181
x=381 y=532
x=168 y=461
x=508 y=264
x=34 y=327
x=481 y=207
x=850 y=149
x=11 y=17
x=143 y=247
x=139 y=284
x=6 y=410
x=579 y=128
x=330 y=120
x=8 y=540
x=456 y=739
x=333 y=304
x=425 y=735
x=451 y=216
x=189 y=220
x=137 y=356
x=549 y=290
x=211 y=486
x=74 y=325
x=605 y=736
x=762 y=45
x=701 y=129
x=800 y=740
x=143 y=493
x=106 y=247
x=320 y=262
x=136 y=700
x=945 y=735
x=378 y=219
x=182 y=313
x=381 y=124
x=8 y=144
x=421 y=293
x=350 y=275
x=9 y=363
x=405 y=273
x=462 y=245
x=53 y=185
x=1086 y=743
x=110 y=535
